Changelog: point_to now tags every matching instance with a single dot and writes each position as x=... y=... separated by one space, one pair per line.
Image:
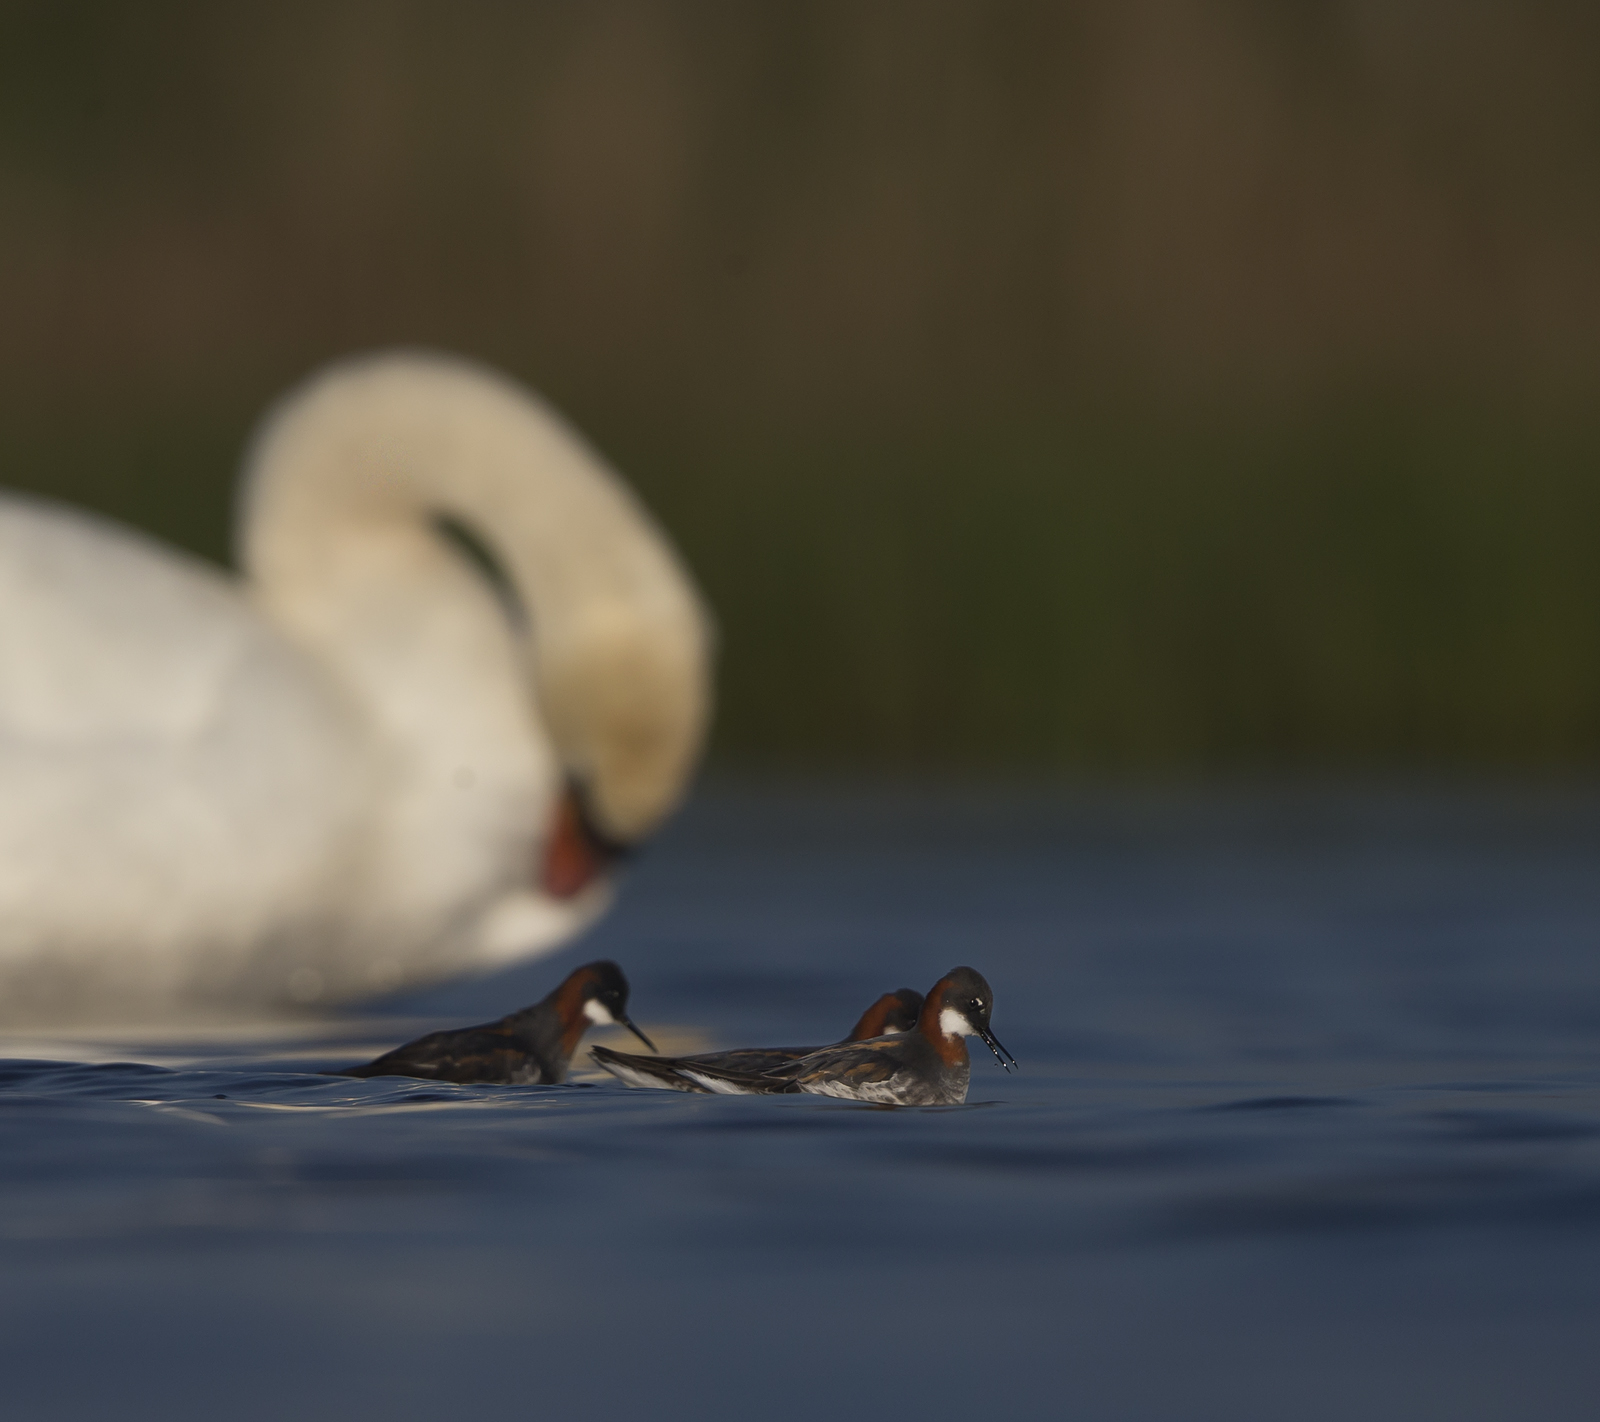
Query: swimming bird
x=893 y=1012
x=925 y=1067
x=460 y=673
x=532 y=1047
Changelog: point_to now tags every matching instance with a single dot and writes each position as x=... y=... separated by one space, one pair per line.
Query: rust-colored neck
x=874 y=1021
x=952 y=1050
x=569 y=1001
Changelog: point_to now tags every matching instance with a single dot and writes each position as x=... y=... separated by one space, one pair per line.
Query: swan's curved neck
x=337 y=529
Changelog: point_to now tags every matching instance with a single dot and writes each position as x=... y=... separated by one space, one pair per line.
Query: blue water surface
x=1308 y=1127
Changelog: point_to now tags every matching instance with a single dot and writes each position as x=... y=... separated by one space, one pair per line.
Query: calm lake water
x=1308 y=1127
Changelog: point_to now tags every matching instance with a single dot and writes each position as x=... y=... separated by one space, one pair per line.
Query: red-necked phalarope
x=893 y=1012
x=530 y=1047
x=925 y=1067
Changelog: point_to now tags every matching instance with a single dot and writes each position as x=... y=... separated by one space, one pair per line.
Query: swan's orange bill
x=572 y=857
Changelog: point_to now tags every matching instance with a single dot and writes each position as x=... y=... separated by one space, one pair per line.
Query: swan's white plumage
x=334 y=776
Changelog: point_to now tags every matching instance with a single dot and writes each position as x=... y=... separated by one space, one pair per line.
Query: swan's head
x=351 y=481
x=626 y=702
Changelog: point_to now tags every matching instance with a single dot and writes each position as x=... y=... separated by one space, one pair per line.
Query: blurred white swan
x=355 y=766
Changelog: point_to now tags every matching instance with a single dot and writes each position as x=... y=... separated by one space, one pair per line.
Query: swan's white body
x=335 y=775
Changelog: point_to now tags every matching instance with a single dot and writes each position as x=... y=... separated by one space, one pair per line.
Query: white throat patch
x=954 y=1024
x=598 y=1013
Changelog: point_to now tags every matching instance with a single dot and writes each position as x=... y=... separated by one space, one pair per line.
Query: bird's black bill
x=637 y=1033
x=992 y=1042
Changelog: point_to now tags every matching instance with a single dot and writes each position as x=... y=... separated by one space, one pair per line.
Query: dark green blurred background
x=1115 y=384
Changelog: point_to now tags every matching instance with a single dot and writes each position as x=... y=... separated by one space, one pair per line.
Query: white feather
x=954 y=1024
x=881 y=1091
x=632 y=1076
x=716 y=1084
